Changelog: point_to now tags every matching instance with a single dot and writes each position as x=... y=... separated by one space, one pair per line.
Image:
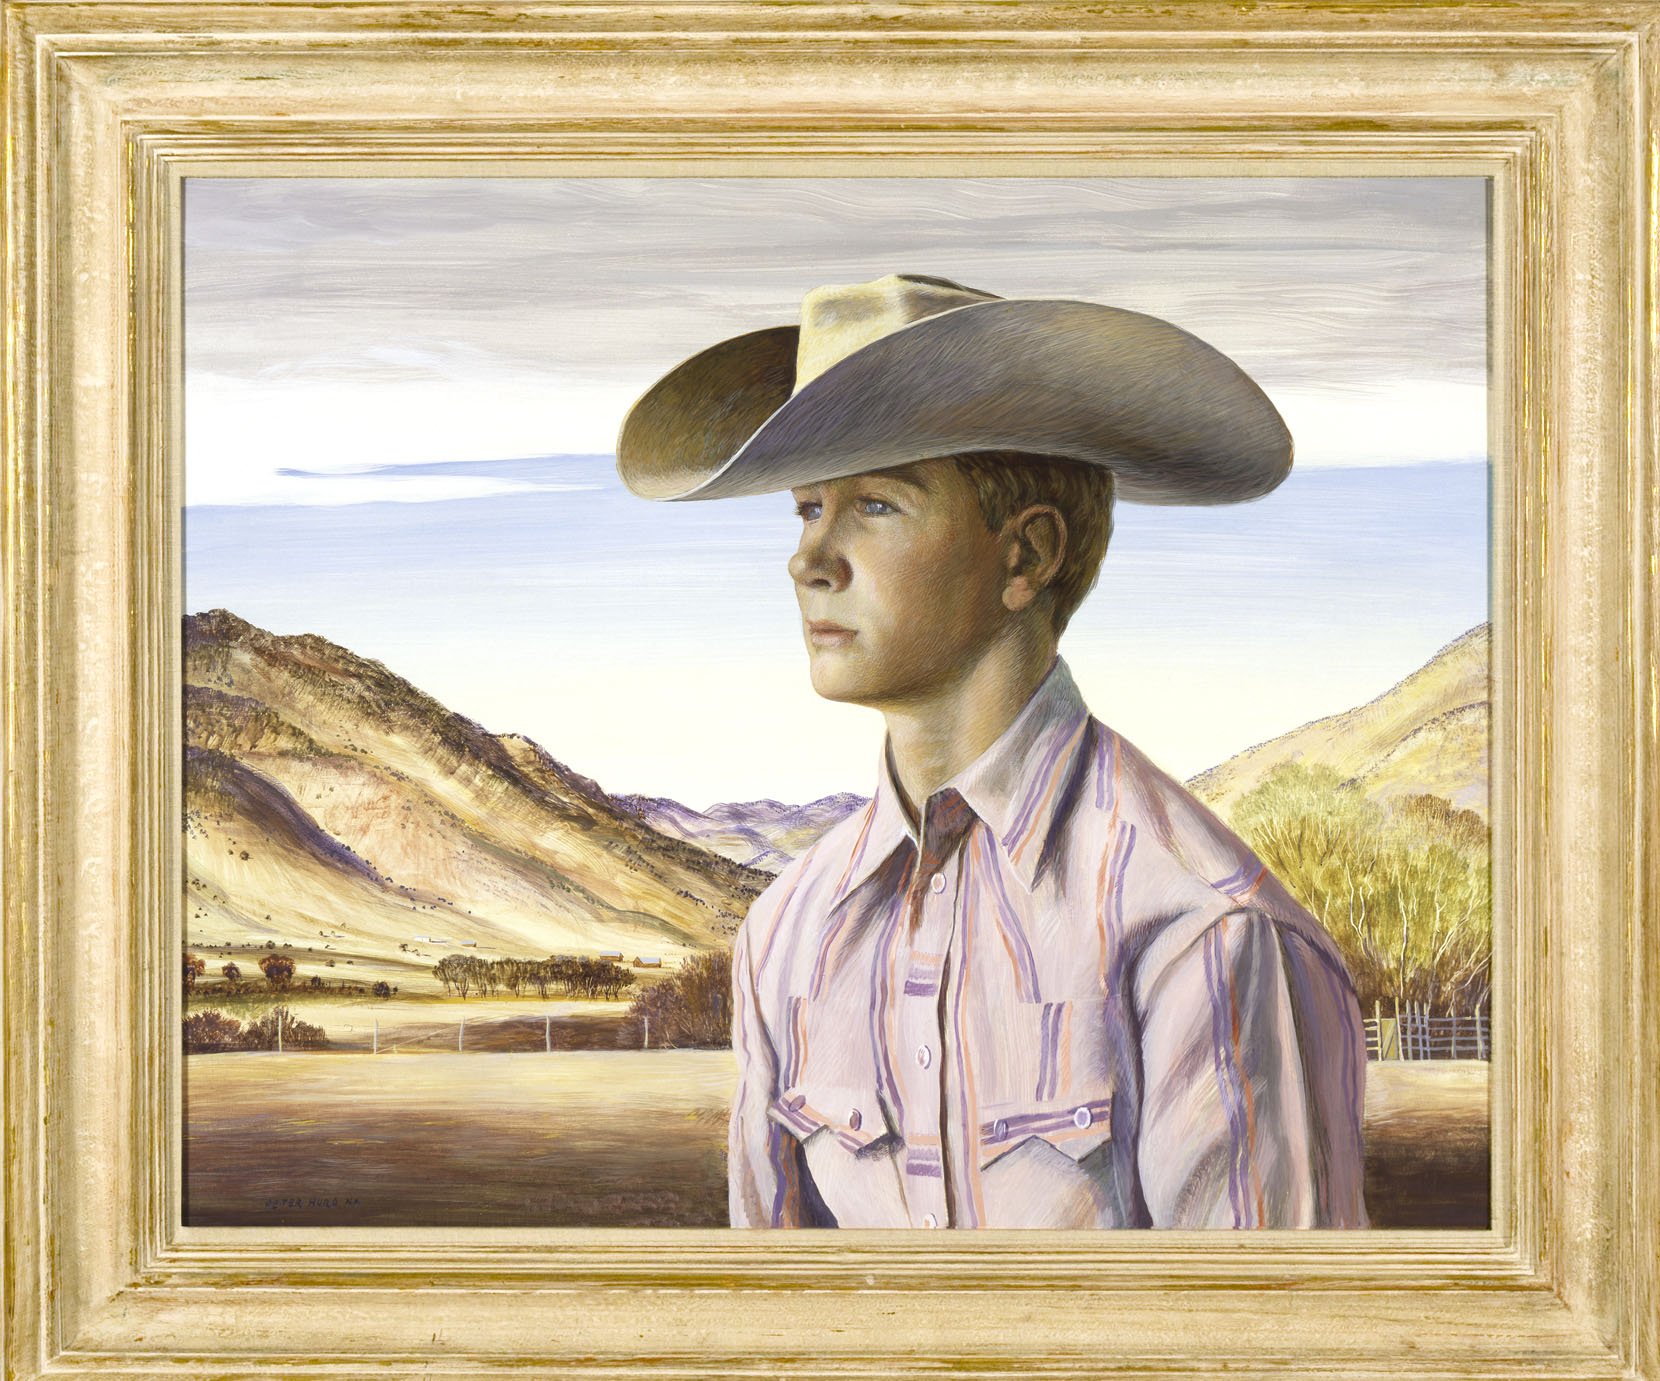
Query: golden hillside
x=1428 y=734
x=337 y=810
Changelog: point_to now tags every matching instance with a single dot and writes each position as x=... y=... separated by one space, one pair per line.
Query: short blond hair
x=1007 y=481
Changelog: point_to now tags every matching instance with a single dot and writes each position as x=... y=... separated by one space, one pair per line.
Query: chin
x=834 y=680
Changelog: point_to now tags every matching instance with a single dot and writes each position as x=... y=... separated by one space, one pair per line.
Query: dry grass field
x=624 y=1139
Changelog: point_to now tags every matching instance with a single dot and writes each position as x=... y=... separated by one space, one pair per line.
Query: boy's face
x=899 y=580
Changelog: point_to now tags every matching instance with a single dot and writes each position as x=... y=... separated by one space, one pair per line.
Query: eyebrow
x=901 y=473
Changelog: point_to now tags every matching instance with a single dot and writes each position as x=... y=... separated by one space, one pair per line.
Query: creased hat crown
x=836 y=321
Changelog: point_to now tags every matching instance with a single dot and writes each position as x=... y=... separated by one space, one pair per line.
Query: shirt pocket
x=850 y=1148
x=1057 y=1085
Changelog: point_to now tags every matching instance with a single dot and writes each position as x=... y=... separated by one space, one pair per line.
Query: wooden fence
x=1411 y=1033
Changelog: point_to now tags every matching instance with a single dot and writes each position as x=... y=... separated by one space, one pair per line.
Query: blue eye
x=808 y=510
x=876 y=508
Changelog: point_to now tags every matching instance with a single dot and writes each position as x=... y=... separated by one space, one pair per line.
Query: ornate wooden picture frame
x=110 y=106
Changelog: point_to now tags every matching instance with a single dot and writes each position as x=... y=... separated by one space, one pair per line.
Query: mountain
x=331 y=806
x=1428 y=734
x=760 y=834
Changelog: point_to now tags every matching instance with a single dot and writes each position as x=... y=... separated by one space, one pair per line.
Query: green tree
x=1405 y=891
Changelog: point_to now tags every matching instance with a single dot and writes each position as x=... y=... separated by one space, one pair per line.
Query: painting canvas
x=487 y=758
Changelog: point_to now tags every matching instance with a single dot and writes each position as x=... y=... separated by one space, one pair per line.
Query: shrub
x=296 y=1034
x=210 y=1031
x=691 y=1009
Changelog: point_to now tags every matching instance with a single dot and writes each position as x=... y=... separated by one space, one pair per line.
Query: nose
x=817 y=563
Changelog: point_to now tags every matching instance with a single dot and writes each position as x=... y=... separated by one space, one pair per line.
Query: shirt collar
x=1018 y=786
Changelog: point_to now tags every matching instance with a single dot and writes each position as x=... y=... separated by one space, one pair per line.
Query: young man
x=1034 y=983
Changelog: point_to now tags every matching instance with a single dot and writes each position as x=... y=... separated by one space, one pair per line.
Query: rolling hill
x=1427 y=734
x=761 y=834
x=331 y=806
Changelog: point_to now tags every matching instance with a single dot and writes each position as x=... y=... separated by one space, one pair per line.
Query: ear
x=1034 y=544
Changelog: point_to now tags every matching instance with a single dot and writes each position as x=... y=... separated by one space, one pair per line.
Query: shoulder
x=803 y=885
x=1170 y=821
x=1208 y=872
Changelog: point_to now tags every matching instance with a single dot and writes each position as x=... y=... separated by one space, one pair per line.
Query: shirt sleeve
x=764 y=1173
x=1253 y=1078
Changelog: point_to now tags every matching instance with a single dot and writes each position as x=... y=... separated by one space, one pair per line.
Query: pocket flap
x=1075 y=1126
x=854 y=1117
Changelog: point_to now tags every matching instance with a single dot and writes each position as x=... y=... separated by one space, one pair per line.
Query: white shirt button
x=999 y=1130
x=929 y=1221
x=854 y=1119
x=1081 y=1118
x=936 y=884
x=924 y=1056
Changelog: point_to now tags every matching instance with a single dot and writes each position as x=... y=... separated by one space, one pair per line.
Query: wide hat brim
x=1176 y=420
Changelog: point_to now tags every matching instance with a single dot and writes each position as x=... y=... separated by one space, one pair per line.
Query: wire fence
x=1410 y=1032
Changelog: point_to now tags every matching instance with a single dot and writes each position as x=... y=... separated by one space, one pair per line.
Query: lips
x=823 y=633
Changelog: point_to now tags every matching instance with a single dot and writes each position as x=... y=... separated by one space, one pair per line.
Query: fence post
x=1400 y=1050
x=547 y=1033
x=375 y=1049
x=461 y=1035
x=645 y=1042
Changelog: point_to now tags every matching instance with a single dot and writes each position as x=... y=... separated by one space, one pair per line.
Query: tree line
x=465 y=974
x=1406 y=890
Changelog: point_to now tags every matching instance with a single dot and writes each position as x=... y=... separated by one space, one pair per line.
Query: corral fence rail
x=1410 y=1032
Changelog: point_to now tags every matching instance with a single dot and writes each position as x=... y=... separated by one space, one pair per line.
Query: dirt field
x=625 y=1139
x=1427 y=1143
x=584 y=1138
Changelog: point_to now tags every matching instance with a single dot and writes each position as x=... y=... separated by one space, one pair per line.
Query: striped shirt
x=1071 y=999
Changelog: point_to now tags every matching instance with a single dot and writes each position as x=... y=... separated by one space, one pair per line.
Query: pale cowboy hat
x=907 y=368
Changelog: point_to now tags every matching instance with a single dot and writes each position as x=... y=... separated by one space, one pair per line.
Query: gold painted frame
x=110 y=105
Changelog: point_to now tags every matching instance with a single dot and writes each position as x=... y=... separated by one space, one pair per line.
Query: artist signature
x=277 y=1204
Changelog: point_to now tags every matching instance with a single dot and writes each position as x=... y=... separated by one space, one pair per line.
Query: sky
x=402 y=397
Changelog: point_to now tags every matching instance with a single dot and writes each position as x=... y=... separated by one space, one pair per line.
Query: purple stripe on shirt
x=1030 y=1124
x=1042 y=781
x=967 y=1211
x=924 y=1161
x=880 y=996
x=821 y=966
x=1214 y=979
x=1127 y=832
x=1008 y=920
x=1055 y=1049
x=781 y=914
x=1043 y=1051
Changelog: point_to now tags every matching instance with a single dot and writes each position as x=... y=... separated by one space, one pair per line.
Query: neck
x=932 y=739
